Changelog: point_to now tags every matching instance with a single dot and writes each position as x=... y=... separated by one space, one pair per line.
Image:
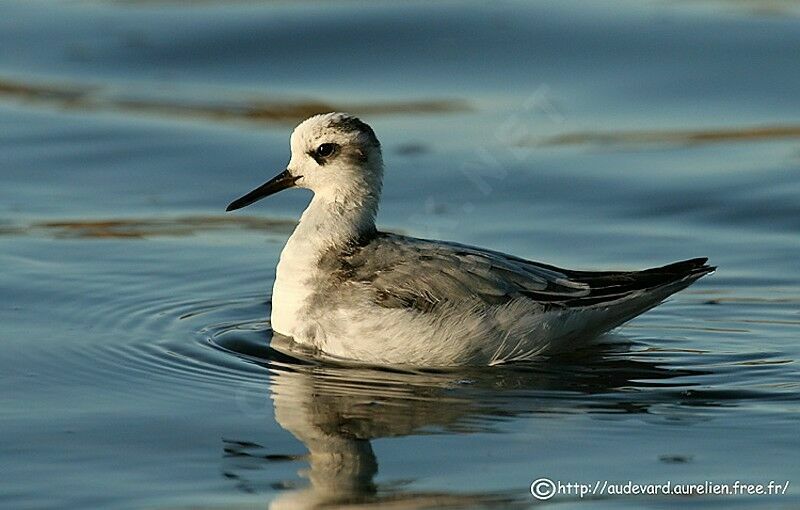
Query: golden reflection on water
x=761 y=7
x=140 y=228
x=336 y=414
x=769 y=7
x=676 y=137
x=337 y=411
x=251 y=109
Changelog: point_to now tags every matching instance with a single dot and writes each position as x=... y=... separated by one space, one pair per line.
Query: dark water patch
x=250 y=450
x=412 y=149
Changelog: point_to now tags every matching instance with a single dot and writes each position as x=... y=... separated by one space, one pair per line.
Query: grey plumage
x=404 y=272
x=351 y=292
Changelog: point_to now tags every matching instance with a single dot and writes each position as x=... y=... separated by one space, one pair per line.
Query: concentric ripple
x=198 y=330
x=195 y=340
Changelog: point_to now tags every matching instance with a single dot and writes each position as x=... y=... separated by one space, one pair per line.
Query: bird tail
x=657 y=284
x=691 y=269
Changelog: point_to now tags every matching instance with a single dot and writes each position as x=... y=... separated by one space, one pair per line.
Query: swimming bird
x=346 y=290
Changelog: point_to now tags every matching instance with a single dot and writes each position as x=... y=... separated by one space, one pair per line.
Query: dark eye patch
x=324 y=152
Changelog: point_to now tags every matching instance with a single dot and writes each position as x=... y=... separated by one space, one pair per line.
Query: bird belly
x=457 y=336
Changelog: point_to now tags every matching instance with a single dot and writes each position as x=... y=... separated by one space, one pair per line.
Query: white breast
x=325 y=223
x=297 y=273
x=291 y=291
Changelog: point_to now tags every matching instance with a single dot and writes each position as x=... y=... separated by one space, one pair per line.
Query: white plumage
x=349 y=291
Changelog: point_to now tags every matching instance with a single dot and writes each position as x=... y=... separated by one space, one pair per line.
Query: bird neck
x=337 y=219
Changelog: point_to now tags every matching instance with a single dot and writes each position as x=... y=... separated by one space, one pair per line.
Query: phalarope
x=346 y=289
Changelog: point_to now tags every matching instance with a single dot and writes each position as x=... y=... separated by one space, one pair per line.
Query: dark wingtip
x=692 y=268
x=700 y=267
x=684 y=266
x=708 y=269
x=694 y=263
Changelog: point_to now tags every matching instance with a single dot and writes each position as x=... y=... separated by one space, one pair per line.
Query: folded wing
x=414 y=273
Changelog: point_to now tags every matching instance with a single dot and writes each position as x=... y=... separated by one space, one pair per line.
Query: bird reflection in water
x=335 y=411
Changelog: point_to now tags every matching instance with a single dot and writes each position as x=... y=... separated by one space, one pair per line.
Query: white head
x=335 y=155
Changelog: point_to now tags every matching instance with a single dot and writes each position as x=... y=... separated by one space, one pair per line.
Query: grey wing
x=415 y=273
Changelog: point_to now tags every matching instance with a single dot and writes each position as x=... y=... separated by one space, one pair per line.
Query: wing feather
x=421 y=274
x=415 y=273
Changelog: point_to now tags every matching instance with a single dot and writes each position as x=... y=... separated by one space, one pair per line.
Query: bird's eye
x=326 y=149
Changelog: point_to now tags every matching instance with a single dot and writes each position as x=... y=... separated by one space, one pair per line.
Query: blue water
x=135 y=370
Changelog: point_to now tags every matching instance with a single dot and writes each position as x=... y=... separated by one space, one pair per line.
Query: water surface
x=135 y=367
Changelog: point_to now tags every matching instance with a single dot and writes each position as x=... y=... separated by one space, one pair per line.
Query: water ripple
x=195 y=342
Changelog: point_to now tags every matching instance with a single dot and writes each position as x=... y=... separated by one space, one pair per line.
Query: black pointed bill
x=278 y=183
